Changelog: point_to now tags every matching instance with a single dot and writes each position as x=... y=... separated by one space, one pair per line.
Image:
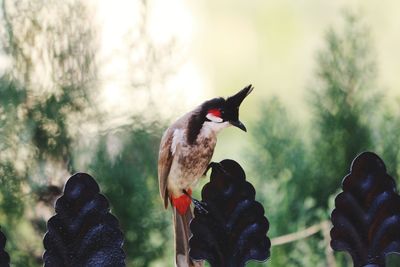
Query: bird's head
x=218 y=113
x=226 y=111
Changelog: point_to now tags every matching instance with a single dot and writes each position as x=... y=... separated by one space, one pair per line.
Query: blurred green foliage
x=299 y=177
x=128 y=178
x=388 y=142
x=297 y=169
x=40 y=119
x=343 y=103
x=282 y=164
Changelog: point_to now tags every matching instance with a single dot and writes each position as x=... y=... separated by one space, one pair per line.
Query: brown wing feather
x=164 y=164
x=165 y=155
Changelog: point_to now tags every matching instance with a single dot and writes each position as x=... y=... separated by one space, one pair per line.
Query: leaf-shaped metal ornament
x=366 y=220
x=83 y=232
x=4 y=257
x=234 y=229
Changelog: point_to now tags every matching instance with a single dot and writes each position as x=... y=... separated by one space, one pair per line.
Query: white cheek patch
x=210 y=126
x=213 y=118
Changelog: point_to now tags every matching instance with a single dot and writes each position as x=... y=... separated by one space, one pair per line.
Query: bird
x=186 y=149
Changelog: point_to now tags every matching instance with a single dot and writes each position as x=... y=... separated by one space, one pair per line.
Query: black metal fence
x=366 y=221
x=366 y=218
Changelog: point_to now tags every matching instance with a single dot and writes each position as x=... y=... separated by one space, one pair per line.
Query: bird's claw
x=213 y=165
x=208 y=167
x=200 y=206
x=216 y=165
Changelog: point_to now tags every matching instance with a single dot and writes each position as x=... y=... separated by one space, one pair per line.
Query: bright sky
x=224 y=45
x=273 y=44
x=167 y=21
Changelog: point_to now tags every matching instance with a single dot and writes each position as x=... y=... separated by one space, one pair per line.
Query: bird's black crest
x=238 y=98
x=197 y=119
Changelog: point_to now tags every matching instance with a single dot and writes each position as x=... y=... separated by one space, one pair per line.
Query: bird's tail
x=182 y=235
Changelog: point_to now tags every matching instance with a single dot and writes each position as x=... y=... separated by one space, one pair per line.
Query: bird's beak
x=238 y=124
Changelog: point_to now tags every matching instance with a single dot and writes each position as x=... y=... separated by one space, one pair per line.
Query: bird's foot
x=216 y=165
x=199 y=205
x=212 y=165
x=208 y=167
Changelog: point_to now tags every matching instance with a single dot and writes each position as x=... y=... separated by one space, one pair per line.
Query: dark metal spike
x=83 y=232
x=234 y=231
x=366 y=217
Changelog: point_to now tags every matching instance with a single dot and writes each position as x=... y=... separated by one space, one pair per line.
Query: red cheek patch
x=215 y=112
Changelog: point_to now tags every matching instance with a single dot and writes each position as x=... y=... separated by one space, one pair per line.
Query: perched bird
x=185 y=152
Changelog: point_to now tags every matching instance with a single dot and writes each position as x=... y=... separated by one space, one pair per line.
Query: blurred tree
x=54 y=58
x=64 y=43
x=52 y=49
x=11 y=96
x=12 y=131
x=279 y=157
x=280 y=160
x=45 y=88
x=296 y=181
x=388 y=141
x=125 y=166
x=151 y=63
x=13 y=198
x=346 y=104
x=343 y=103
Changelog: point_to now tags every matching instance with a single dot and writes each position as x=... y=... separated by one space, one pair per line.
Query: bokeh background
x=91 y=85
